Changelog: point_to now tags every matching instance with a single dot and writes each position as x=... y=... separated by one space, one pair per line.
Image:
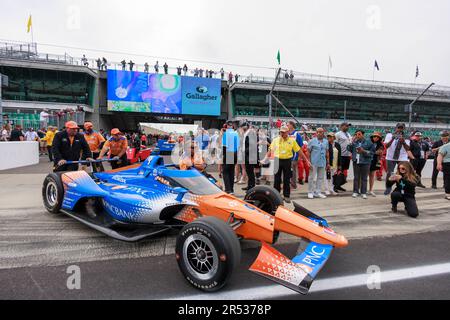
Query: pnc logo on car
x=202 y=89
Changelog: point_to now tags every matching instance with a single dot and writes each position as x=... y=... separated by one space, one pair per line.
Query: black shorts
x=345 y=162
x=123 y=162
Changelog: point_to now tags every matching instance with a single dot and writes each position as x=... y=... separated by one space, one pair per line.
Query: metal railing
x=30 y=121
x=27 y=51
x=351 y=85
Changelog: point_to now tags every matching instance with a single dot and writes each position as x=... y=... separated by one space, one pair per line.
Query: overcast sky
x=399 y=34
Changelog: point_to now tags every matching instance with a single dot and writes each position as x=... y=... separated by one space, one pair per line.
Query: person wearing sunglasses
x=406 y=181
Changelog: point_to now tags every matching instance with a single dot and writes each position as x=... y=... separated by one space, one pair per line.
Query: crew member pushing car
x=117 y=146
x=69 y=145
x=95 y=141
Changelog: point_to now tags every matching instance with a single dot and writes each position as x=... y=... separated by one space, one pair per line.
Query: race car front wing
x=296 y=274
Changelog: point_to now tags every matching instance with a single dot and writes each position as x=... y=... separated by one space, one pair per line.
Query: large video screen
x=165 y=94
x=143 y=92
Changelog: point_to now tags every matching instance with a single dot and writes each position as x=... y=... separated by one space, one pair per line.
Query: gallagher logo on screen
x=201 y=94
x=202 y=89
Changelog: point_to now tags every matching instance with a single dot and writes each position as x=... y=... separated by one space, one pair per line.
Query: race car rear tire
x=207 y=252
x=53 y=193
x=265 y=198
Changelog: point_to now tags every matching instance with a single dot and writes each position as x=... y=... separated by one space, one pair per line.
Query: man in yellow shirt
x=284 y=148
x=49 y=136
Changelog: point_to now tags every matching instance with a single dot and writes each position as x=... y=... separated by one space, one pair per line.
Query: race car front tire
x=53 y=193
x=207 y=252
x=265 y=198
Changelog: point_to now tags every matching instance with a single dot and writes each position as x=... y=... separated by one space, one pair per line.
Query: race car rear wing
x=296 y=274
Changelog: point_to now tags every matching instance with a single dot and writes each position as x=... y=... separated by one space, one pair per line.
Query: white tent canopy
x=168 y=128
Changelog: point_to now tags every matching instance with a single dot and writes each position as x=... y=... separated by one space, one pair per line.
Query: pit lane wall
x=18 y=154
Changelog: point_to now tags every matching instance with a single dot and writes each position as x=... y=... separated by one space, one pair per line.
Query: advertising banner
x=201 y=96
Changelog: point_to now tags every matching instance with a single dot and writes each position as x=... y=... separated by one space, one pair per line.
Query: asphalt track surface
x=159 y=278
x=36 y=250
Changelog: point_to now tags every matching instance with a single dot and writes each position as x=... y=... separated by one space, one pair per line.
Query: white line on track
x=276 y=291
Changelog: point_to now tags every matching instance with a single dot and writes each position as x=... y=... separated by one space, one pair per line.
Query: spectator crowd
x=246 y=154
x=102 y=65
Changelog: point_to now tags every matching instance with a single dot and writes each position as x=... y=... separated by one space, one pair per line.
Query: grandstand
x=59 y=82
x=327 y=101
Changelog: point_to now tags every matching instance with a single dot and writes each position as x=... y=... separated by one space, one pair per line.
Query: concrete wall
x=18 y=154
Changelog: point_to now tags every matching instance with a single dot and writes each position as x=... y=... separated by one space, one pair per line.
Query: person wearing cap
x=320 y=162
x=49 y=137
x=362 y=151
x=435 y=149
x=95 y=141
x=376 y=139
x=283 y=148
x=344 y=139
x=419 y=155
x=443 y=164
x=230 y=146
x=397 y=151
x=69 y=145
x=116 y=147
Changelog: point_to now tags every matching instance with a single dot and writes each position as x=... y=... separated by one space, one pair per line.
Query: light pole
x=269 y=98
x=412 y=103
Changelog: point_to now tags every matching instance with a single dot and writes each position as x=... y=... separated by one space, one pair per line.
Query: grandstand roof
x=318 y=84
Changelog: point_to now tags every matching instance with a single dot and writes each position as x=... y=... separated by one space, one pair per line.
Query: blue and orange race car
x=151 y=198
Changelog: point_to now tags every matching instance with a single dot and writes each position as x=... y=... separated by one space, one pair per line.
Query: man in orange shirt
x=95 y=141
x=117 y=146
